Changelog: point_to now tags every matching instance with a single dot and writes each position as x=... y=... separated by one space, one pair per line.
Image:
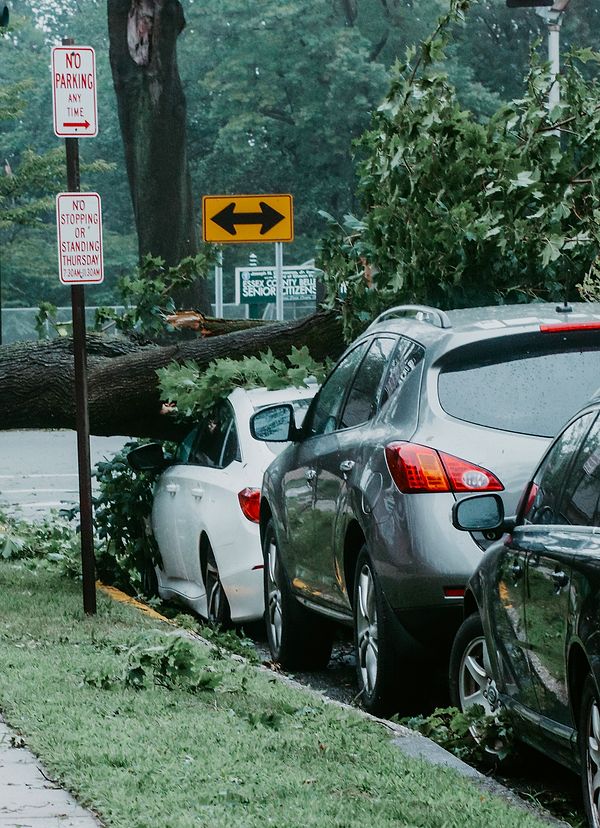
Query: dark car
x=424 y=408
x=530 y=641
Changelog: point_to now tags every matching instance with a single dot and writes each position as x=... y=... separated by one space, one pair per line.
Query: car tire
x=217 y=605
x=469 y=672
x=377 y=660
x=589 y=747
x=148 y=580
x=471 y=682
x=298 y=638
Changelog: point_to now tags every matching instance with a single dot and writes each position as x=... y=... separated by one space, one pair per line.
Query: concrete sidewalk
x=28 y=796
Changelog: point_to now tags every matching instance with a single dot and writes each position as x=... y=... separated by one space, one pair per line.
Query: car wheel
x=148 y=579
x=471 y=681
x=217 y=605
x=376 y=657
x=589 y=746
x=298 y=638
x=470 y=675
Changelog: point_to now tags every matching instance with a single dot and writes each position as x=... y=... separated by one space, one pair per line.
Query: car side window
x=550 y=478
x=405 y=359
x=323 y=414
x=362 y=401
x=182 y=455
x=581 y=502
x=216 y=443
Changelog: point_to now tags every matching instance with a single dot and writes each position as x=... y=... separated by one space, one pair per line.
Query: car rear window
x=530 y=389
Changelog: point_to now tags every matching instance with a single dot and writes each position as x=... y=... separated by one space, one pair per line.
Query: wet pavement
x=29 y=798
x=38 y=470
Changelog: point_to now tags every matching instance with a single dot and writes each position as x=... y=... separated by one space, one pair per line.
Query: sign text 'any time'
x=74 y=91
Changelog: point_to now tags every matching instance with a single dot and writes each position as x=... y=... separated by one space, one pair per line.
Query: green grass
x=253 y=752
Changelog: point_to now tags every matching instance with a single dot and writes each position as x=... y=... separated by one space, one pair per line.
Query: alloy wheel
x=366 y=629
x=273 y=602
x=214 y=592
x=475 y=677
x=592 y=769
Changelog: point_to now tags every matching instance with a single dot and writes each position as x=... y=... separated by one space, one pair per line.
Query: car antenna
x=566 y=308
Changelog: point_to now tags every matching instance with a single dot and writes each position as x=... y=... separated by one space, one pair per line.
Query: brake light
x=416 y=468
x=454 y=592
x=250 y=504
x=467 y=477
x=571 y=326
x=527 y=499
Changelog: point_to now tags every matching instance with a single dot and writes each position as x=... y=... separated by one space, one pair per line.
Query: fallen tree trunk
x=36 y=378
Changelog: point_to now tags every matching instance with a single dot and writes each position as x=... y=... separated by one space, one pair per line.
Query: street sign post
x=259 y=284
x=247 y=218
x=79 y=229
x=238 y=219
x=80 y=263
x=74 y=91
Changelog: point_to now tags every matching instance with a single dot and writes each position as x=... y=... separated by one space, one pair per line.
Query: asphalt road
x=38 y=470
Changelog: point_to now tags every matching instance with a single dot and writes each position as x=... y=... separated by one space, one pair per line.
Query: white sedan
x=206 y=509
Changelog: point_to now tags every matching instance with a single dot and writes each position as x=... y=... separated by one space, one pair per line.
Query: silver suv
x=422 y=409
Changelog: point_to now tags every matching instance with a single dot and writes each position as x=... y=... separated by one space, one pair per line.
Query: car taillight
x=561 y=327
x=416 y=468
x=527 y=498
x=454 y=592
x=250 y=504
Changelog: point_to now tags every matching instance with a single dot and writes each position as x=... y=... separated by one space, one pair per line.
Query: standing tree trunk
x=152 y=115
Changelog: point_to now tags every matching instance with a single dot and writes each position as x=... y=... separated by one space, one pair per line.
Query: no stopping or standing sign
x=79 y=232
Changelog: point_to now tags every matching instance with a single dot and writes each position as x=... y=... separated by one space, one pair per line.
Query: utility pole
x=553 y=17
x=551 y=11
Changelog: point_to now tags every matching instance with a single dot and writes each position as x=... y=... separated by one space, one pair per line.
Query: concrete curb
x=412 y=744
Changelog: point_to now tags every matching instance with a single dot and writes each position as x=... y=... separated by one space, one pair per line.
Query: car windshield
x=300 y=409
x=523 y=391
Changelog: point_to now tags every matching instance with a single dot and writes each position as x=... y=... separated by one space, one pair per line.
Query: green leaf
x=552 y=249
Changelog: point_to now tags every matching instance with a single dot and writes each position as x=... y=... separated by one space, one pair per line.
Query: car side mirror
x=481 y=513
x=147 y=458
x=275 y=424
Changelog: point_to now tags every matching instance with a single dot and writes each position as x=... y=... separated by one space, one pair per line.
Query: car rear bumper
x=244 y=592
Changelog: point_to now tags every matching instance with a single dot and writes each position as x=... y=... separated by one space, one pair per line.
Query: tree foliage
x=195 y=390
x=459 y=212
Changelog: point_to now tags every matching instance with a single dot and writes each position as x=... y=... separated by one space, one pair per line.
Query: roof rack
x=422 y=313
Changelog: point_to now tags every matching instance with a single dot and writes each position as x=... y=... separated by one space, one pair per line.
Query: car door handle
x=310 y=475
x=198 y=493
x=560 y=578
x=172 y=488
x=347 y=465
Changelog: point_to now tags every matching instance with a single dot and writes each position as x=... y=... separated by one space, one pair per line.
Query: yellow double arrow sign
x=248 y=218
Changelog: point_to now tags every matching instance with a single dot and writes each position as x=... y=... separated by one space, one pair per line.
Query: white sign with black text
x=79 y=231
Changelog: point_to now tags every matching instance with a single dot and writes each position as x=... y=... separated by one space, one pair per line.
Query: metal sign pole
x=279 y=279
x=88 y=561
x=219 y=285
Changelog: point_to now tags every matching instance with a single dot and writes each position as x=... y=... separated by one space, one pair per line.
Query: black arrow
x=227 y=218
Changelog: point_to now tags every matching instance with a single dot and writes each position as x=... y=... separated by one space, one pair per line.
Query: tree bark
x=152 y=115
x=36 y=378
